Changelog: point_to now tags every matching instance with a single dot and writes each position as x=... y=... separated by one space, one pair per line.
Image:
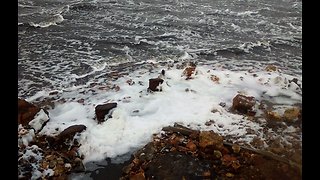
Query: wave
x=54 y=20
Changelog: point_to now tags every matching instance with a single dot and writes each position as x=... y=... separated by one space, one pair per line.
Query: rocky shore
x=177 y=152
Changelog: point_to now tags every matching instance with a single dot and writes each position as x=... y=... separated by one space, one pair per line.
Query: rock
x=191 y=146
x=189 y=71
x=291 y=114
x=26 y=112
x=103 y=109
x=243 y=104
x=273 y=116
x=138 y=176
x=154 y=84
x=78 y=166
x=271 y=68
x=210 y=138
x=236 y=148
x=69 y=132
x=222 y=104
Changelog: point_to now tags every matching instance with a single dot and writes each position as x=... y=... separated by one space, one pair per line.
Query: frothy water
x=86 y=49
x=60 y=41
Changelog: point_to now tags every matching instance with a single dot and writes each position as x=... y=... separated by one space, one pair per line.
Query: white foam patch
x=139 y=113
x=25 y=136
x=39 y=119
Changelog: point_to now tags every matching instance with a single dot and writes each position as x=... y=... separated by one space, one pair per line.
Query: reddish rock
x=26 y=112
x=215 y=79
x=191 y=146
x=138 y=176
x=243 y=104
x=103 y=109
x=154 y=83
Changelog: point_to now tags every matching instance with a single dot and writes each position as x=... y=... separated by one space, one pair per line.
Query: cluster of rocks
x=182 y=153
x=197 y=154
x=206 y=155
x=41 y=156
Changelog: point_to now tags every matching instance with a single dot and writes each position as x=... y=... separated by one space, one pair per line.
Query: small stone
x=271 y=68
x=291 y=114
x=236 y=148
x=217 y=154
x=229 y=175
x=190 y=145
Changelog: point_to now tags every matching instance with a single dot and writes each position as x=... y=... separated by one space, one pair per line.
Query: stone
x=102 y=110
x=291 y=114
x=271 y=68
x=243 y=104
x=154 y=84
x=189 y=71
x=210 y=138
x=26 y=112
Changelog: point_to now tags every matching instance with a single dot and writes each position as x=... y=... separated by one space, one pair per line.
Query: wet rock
x=210 y=138
x=102 y=110
x=215 y=79
x=26 y=112
x=271 y=68
x=236 y=148
x=295 y=80
x=154 y=84
x=78 y=165
x=273 y=116
x=53 y=93
x=191 y=146
x=69 y=132
x=291 y=114
x=189 y=71
x=209 y=161
x=130 y=82
x=138 y=176
x=243 y=104
x=222 y=104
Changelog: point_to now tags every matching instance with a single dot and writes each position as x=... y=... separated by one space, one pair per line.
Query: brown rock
x=138 y=176
x=154 y=83
x=210 y=138
x=103 y=109
x=291 y=114
x=188 y=71
x=191 y=146
x=271 y=68
x=215 y=79
x=69 y=132
x=273 y=116
x=243 y=104
x=26 y=112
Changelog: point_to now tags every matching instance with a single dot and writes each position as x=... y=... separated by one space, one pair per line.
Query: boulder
x=243 y=104
x=69 y=132
x=26 y=112
x=103 y=109
x=154 y=84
